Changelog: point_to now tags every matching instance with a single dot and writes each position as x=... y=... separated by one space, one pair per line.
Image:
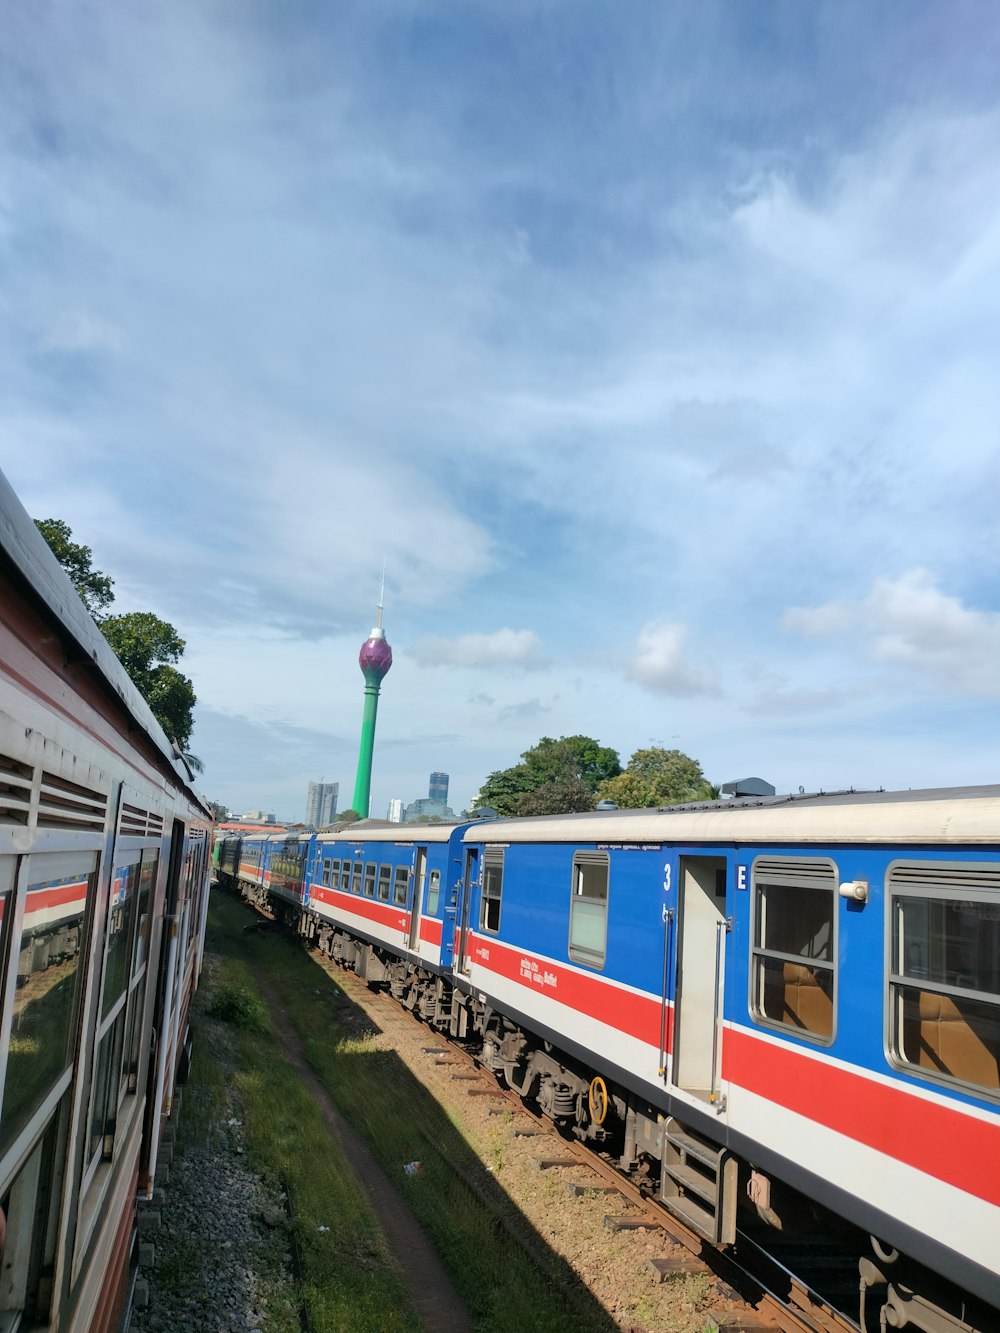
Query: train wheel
x=597 y=1100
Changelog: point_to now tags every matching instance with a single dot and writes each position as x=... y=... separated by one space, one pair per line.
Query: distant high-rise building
x=432 y=806
x=395 y=812
x=321 y=803
x=424 y=808
x=260 y=817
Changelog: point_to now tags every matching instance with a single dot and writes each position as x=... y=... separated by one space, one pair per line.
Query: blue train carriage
x=270 y=872
x=780 y=1004
x=227 y=858
x=383 y=901
x=104 y=858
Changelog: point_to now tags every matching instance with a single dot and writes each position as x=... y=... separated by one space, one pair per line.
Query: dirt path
x=433 y=1296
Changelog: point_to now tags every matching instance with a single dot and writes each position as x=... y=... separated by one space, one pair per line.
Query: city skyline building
x=375 y=659
x=432 y=806
x=321 y=803
x=395 y=812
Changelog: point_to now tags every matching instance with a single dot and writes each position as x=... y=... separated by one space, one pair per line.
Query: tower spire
x=377 y=630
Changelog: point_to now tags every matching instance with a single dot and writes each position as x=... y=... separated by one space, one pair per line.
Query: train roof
x=50 y=588
x=939 y=815
x=380 y=830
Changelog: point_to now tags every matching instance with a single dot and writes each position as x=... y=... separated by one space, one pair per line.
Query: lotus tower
x=375 y=659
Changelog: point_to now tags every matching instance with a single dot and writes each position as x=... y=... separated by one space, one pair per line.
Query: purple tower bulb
x=375 y=657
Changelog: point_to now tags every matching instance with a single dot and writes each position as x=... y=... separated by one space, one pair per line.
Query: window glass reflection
x=48 y=968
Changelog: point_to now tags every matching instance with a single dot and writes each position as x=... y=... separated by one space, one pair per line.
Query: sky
x=653 y=347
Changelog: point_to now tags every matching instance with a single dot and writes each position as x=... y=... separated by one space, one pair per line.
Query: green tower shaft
x=363 y=781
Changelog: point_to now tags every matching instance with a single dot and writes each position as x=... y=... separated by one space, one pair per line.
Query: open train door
x=419 y=879
x=701 y=967
x=468 y=882
x=699 y=1177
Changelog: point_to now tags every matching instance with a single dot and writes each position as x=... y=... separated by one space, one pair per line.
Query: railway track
x=774 y=1295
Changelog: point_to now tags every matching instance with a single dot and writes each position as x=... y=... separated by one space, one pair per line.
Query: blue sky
x=653 y=347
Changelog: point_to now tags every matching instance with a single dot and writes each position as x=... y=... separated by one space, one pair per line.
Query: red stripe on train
x=941 y=1141
x=370 y=909
x=40 y=899
x=637 y=1016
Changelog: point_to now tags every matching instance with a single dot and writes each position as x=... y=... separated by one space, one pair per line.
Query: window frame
x=433 y=891
x=896 y=983
x=493 y=859
x=384 y=890
x=755 y=981
x=584 y=856
x=401 y=879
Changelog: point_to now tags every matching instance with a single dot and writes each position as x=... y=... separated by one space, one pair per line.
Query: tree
x=655 y=777
x=557 y=798
x=571 y=756
x=503 y=790
x=569 y=769
x=219 y=811
x=628 y=792
x=93 y=586
x=709 y=791
x=147 y=647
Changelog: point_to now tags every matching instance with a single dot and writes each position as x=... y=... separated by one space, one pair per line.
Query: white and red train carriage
x=103 y=890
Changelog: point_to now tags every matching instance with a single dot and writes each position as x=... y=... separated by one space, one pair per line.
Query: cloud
x=525 y=711
x=661 y=666
x=517 y=648
x=908 y=622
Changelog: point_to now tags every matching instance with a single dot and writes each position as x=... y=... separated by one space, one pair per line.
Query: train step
x=698 y=1183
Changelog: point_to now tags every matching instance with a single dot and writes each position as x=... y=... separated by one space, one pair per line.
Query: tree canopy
x=655 y=777
x=146 y=646
x=553 y=777
x=93 y=586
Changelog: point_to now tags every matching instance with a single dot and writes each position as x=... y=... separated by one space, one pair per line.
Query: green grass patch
x=347 y=1279
x=505 y=1290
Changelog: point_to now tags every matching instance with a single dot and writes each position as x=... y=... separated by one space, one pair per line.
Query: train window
x=489 y=908
x=120 y=1027
x=357 y=872
x=384 y=881
x=28 y=1239
x=345 y=876
x=401 y=887
x=588 y=908
x=434 y=893
x=43 y=1017
x=147 y=881
x=370 y=879
x=793 y=955
x=326 y=870
x=944 y=972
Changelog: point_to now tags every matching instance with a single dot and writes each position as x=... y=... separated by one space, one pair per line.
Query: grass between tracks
x=505 y=1290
